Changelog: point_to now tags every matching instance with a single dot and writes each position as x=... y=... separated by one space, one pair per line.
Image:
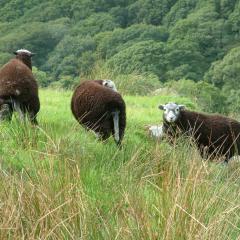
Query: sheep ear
x=181 y=107
x=32 y=54
x=15 y=53
x=161 y=107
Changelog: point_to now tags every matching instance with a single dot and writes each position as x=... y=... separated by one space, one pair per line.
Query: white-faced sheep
x=214 y=135
x=18 y=88
x=98 y=106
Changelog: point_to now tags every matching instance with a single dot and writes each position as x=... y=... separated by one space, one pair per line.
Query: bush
x=41 y=77
x=226 y=71
x=137 y=84
x=145 y=56
x=129 y=84
x=66 y=82
x=4 y=57
x=208 y=97
x=233 y=100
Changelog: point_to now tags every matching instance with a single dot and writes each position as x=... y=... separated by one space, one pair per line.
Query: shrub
x=131 y=84
x=208 y=97
x=41 y=77
x=233 y=100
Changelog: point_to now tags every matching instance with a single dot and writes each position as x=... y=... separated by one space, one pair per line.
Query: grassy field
x=58 y=182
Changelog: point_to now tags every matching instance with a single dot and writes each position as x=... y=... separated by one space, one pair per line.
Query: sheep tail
x=115 y=115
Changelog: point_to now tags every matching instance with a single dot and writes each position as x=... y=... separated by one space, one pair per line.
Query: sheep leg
x=116 y=125
x=225 y=162
x=97 y=135
x=18 y=109
x=33 y=118
x=227 y=158
x=103 y=130
x=204 y=151
x=5 y=112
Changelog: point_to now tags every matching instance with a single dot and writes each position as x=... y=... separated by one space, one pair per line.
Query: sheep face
x=171 y=112
x=110 y=84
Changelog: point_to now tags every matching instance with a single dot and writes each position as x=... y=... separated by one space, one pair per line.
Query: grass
x=58 y=182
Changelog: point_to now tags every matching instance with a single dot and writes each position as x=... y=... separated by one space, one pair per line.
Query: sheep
x=155 y=131
x=18 y=88
x=214 y=135
x=98 y=106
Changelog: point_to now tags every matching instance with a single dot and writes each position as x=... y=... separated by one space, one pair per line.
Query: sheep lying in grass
x=214 y=135
x=98 y=106
x=18 y=88
x=155 y=131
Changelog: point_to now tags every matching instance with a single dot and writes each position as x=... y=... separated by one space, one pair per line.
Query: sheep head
x=110 y=84
x=171 y=112
x=24 y=56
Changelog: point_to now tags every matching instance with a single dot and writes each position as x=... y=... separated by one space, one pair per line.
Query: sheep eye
x=177 y=109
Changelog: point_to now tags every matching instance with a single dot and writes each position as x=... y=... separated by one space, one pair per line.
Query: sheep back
x=218 y=133
x=18 y=82
x=92 y=105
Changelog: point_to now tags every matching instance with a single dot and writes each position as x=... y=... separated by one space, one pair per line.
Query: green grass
x=58 y=182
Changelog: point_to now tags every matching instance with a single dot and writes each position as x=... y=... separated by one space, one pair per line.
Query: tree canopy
x=170 y=39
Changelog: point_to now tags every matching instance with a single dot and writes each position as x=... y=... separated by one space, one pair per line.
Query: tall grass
x=58 y=182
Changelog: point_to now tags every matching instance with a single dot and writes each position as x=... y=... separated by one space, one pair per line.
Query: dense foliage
x=169 y=40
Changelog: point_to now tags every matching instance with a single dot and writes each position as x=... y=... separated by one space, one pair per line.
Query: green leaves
x=226 y=72
x=144 y=56
x=207 y=97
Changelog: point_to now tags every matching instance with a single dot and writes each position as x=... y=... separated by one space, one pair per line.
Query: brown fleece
x=217 y=134
x=17 y=83
x=92 y=105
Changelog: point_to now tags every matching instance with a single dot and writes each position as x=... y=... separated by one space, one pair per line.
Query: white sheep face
x=110 y=84
x=171 y=111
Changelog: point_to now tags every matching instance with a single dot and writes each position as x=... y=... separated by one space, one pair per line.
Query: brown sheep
x=98 y=106
x=214 y=135
x=18 y=88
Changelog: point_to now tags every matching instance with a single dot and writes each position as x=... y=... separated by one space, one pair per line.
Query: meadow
x=57 y=181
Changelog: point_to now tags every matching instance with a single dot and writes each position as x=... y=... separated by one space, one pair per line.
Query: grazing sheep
x=214 y=135
x=18 y=88
x=98 y=106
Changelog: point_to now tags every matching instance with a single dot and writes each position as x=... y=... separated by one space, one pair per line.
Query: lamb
x=214 y=135
x=155 y=131
x=18 y=88
x=98 y=106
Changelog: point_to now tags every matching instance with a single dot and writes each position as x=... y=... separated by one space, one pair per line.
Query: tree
x=206 y=96
x=145 y=56
x=225 y=72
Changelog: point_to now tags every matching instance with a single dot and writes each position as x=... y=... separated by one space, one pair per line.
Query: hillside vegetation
x=58 y=182
x=158 y=40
